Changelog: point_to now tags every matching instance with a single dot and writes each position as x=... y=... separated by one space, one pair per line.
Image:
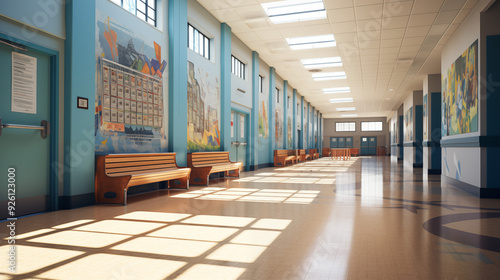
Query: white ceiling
x=387 y=46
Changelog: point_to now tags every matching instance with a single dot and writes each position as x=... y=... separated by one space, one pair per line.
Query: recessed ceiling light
x=346 y=109
x=311 y=42
x=391 y=89
x=322 y=62
x=294 y=10
x=341 y=100
x=349 y=115
x=387 y=98
x=329 y=76
x=337 y=90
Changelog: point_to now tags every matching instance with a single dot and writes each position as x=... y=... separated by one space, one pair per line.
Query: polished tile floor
x=365 y=218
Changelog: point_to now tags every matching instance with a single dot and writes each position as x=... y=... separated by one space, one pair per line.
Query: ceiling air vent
x=315 y=70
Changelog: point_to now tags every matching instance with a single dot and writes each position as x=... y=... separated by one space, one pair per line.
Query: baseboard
x=434 y=171
x=76 y=201
x=471 y=189
x=265 y=165
x=418 y=165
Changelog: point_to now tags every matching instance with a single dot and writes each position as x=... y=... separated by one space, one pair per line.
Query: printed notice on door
x=23 y=83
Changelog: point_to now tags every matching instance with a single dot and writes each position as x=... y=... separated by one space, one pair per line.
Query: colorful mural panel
x=409 y=125
x=460 y=94
x=289 y=132
x=130 y=107
x=203 y=110
x=279 y=128
x=263 y=115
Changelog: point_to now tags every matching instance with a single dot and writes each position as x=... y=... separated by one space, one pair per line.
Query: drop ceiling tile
x=397 y=33
x=344 y=27
x=391 y=43
x=292 y=32
x=427 y=6
x=340 y=15
x=417 y=31
x=251 y=12
x=399 y=8
x=413 y=41
x=390 y=50
x=446 y=17
x=394 y=22
x=247 y=36
x=407 y=55
x=422 y=19
x=369 y=12
x=365 y=52
x=346 y=37
x=239 y=26
x=318 y=29
x=452 y=5
x=269 y=35
x=461 y=16
x=226 y=15
x=410 y=49
x=337 y=4
x=470 y=4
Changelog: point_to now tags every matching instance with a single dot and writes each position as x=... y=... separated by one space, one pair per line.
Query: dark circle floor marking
x=437 y=227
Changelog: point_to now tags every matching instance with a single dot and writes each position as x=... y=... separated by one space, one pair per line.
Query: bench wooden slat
x=116 y=173
x=205 y=163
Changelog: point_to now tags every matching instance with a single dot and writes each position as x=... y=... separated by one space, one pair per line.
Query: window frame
x=145 y=13
x=198 y=42
x=277 y=92
x=238 y=68
x=261 y=84
x=343 y=123
x=371 y=130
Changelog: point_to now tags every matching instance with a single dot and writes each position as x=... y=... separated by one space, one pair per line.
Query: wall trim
x=435 y=144
x=434 y=171
x=265 y=165
x=471 y=189
x=412 y=144
x=473 y=141
x=76 y=201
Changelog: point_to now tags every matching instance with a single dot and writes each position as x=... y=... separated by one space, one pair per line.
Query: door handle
x=44 y=127
x=243 y=143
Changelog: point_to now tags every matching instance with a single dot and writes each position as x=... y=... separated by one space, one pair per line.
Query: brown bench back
x=302 y=152
x=129 y=164
x=202 y=158
x=312 y=151
x=283 y=153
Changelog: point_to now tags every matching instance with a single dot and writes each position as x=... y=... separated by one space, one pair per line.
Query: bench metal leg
x=124 y=197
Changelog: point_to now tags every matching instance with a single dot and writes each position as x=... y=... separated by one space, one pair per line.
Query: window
x=237 y=67
x=143 y=9
x=345 y=126
x=371 y=126
x=277 y=95
x=198 y=42
x=261 y=84
x=288 y=102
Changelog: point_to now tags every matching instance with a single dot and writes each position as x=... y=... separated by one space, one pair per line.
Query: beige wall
x=329 y=131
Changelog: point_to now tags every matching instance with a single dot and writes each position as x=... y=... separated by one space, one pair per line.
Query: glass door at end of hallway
x=341 y=142
x=239 y=138
x=368 y=146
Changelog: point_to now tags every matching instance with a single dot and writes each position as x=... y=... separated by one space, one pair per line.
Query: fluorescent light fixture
x=349 y=115
x=329 y=76
x=346 y=109
x=337 y=90
x=341 y=100
x=294 y=10
x=311 y=42
x=322 y=62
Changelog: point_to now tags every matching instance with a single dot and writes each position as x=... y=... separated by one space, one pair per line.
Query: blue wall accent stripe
x=272 y=117
x=285 y=115
x=225 y=77
x=254 y=116
x=472 y=141
x=294 y=119
x=177 y=80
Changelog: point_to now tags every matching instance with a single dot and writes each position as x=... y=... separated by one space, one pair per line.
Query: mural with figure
x=263 y=112
x=459 y=98
x=203 y=110
x=130 y=110
x=279 y=128
x=409 y=125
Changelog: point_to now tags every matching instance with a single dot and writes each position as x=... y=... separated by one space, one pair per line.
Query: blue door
x=341 y=141
x=364 y=146
x=348 y=142
x=372 y=144
x=239 y=138
x=24 y=154
x=333 y=142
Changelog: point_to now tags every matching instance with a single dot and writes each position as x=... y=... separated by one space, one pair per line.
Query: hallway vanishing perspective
x=365 y=218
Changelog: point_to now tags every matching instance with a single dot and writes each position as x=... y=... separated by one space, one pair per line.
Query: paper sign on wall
x=23 y=83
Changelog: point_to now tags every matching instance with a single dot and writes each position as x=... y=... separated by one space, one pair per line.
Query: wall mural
x=409 y=125
x=203 y=110
x=305 y=126
x=459 y=99
x=263 y=118
x=289 y=121
x=129 y=113
x=394 y=132
x=279 y=128
x=425 y=116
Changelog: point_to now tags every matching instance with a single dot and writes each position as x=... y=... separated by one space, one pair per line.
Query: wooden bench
x=203 y=164
x=116 y=173
x=303 y=156
x=313 y=153
x=326 y=152
x=354 y=152
x=341 y=153
x=281 y=157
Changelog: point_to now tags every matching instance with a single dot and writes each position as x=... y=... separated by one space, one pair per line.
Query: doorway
x=368 y=145
x=239 y=129
x=27 y=145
